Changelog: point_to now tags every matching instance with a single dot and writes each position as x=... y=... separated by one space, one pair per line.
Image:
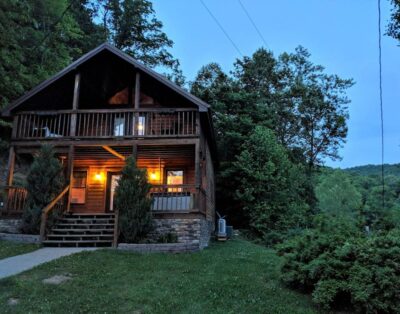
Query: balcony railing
x=177 y=198
x=12 y=200
x=106 y=123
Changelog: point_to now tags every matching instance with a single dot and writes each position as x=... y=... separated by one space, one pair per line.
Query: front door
x=112 y=183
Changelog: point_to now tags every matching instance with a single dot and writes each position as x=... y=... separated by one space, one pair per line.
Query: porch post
x=75 y=103
x=197 y=174
x=11 y=164
x=137 y=90
x=70 y=172
x=136 y=102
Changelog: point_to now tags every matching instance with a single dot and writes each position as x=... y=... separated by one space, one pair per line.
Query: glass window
x=141 y=125
x=119 y=125
x=174 y=177
x=78 y=187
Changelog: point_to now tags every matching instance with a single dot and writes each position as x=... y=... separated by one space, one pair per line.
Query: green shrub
x=133 y=203
x=342 y=267
x=44 y=182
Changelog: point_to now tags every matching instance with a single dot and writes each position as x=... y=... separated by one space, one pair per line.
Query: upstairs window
x=119 y=126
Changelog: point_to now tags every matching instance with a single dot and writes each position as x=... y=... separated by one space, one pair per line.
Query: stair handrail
x=46 y=210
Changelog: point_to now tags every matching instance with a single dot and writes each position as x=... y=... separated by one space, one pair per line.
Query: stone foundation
x=159 y=247
x=26 y=238
x=195 y=231
x=10 y=225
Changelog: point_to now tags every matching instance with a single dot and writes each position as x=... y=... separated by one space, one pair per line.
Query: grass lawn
x=232 y=277
x=10 y=248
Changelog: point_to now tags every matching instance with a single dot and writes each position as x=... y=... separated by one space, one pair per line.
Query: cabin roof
x=203 y=106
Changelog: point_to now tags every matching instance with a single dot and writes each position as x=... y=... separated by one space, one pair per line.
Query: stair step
x=83 y=230
x=90 y=214
x=88 y=226
x=80 y=243
x=80 y=235
x=88 y=220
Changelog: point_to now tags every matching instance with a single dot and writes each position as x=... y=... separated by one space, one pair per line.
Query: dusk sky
x=341 y=35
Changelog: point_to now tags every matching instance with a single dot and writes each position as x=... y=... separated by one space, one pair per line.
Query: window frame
x=85 y=187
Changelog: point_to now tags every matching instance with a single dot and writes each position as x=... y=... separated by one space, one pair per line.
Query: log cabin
x=96 y=112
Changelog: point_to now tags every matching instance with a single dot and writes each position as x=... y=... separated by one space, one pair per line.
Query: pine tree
x=44 y=182
x=133 y=203
x=269 y=186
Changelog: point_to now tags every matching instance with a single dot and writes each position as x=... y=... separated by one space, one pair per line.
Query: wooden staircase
x=82 y=230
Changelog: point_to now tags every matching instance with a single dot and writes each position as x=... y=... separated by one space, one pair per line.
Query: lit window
x=78 y=187
x=141 y=125
x=119 y=125
x=175 y=177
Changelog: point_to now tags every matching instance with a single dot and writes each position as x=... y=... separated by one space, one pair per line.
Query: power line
x=381 y=104
x=222 y=28
x=253 y=23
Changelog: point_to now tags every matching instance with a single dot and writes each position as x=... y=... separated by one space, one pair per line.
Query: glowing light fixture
x=99 y=176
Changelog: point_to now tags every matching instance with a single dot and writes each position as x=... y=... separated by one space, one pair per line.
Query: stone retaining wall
x=10 y=225
x=159 y=247
x=188 y=230
x=26 y=238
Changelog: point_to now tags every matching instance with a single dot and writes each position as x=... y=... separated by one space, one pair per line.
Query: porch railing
x=106 y=123
x=13 y=200
x=179 y=198
x=56 y=208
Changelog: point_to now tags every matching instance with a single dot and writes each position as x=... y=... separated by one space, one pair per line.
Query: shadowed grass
x=10 y=248
x=232 y=277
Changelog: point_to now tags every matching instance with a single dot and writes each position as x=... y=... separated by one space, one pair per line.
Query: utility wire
x=253 y=23
x=381 y=104
x=222 y=28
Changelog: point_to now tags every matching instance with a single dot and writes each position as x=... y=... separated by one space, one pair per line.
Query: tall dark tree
x=133 y=202
x=394 y=24
x=131 y=25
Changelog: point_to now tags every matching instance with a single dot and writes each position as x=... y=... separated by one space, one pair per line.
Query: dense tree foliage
x=133 y=203
x=44 y=182
x=349 y=256
x=269 y=186
x=305 y=108
x=394 y=24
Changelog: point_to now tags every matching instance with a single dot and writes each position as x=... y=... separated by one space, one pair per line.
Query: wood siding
x=96 y=160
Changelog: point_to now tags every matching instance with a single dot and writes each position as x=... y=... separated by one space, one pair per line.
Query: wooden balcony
x=92 y=124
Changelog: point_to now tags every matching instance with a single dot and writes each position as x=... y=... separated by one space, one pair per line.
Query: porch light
x=154 y=175
x=99 y=176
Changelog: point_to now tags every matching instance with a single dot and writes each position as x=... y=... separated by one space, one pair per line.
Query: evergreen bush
x=133 y=203
x=344 y=268
x=44 y=182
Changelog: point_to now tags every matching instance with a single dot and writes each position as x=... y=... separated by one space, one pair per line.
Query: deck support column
x=70 y=173
x=136 y=103
x=11 y=165
x=75 y=103
x=197 y=173
x=10 y=173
